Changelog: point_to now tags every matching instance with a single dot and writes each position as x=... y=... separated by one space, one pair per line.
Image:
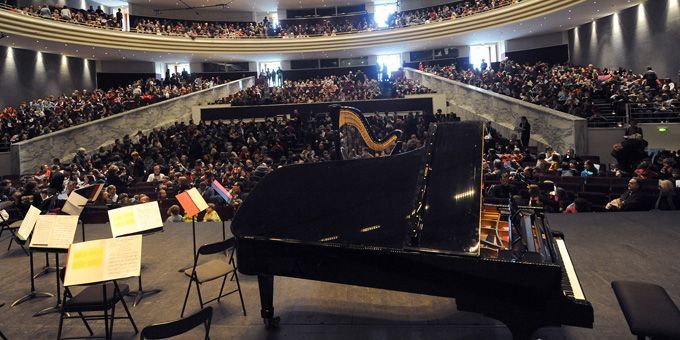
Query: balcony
x=40 y=29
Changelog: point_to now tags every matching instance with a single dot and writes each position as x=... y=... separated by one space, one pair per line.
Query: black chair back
x=218 y=247
x=178 y=327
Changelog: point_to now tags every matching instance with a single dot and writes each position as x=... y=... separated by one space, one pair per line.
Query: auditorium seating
x=595 y=189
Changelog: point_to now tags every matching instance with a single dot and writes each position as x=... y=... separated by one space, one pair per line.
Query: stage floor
x=604 y=247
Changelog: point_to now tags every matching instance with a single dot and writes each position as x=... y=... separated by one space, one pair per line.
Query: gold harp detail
x=351 y=118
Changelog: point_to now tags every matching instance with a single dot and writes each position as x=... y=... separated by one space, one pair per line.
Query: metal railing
x=639 y=112
x=653 y=113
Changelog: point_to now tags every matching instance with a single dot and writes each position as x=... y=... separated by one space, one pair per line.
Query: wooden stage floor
x=604 y=247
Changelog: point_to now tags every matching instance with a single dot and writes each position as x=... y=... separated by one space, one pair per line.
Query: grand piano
x=411 y=222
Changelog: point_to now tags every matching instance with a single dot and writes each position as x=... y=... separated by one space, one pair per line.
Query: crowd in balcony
x=403 y=86
x=291 y=28
x=568 y=88
x=449 y=11
x=300 y=28
x=352 y=86
x=40 y=116
x=193 y=29
x=92 y=17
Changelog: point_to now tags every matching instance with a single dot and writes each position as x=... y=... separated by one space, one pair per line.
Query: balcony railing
x=639 y=112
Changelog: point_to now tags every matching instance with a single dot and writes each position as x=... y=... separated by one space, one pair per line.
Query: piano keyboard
x=572 y=288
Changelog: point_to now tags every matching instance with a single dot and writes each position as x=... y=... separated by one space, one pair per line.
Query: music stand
x=193 y=203
x=47 y=205
x=46 y=268
x=141 y=219
x=53 y=234
x=79 y=199
x=25 y=231
x=96 y=262
x=57 y=307
x=228 y=198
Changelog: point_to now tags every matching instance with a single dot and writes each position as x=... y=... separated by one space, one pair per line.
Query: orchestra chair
x=649 y=310
x=100 y=297
x=174 y=328
x=11 y=227
x=220 y=267
x=2 y=335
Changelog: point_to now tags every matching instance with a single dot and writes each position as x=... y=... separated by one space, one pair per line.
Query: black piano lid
x=450 y=221
x=366 y=202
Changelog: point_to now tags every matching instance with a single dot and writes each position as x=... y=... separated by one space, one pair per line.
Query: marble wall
x=28 y=155
x=548 y=127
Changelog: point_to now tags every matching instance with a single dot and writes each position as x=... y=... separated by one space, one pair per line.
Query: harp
x=356 y=134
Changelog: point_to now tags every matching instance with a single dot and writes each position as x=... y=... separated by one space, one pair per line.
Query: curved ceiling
x=530 y=17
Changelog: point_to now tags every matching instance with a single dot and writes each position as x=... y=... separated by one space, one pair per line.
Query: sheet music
x=54 y=231
x=74 y=204
x=198 y=199
x=123 y=257
x=135 y=219
x=104 y=260
x=28 y=223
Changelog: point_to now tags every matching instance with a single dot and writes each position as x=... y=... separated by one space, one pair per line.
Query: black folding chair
x=11 y=227
x=95 y=298
x=2 y=336
x=174 y=328
x=212 y=270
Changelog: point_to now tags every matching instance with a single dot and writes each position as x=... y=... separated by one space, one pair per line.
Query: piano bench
x=648 y=309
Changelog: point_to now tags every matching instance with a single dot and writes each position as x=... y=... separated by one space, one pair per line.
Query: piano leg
x=266 y=284
x=521 y=331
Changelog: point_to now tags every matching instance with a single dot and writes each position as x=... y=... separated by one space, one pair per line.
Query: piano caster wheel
x=272 y=323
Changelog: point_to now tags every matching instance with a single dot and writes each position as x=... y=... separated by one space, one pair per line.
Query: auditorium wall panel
x=601 y=140
x=109 y=80
x=552 y=55
x=28 y=75
x=646 y=34
x=537 y=41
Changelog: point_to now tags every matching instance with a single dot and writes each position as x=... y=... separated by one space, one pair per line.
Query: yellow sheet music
x=103 y=260
x=88 y=257
x=135 y=219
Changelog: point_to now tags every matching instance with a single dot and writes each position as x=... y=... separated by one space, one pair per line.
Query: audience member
x=631 y=200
